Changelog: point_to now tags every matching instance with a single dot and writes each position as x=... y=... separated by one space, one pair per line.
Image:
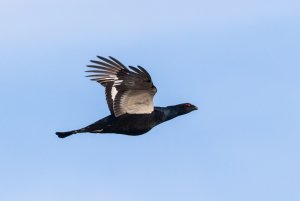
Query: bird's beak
x=195 y=108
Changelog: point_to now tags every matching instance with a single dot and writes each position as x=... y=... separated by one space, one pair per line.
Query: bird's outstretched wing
x=127 y=91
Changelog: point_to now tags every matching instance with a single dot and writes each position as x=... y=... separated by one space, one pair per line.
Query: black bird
x=129 y=94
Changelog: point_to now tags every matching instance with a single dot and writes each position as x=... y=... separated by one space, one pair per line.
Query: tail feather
x=68 y=133
x=90 y=129
x=64 y=134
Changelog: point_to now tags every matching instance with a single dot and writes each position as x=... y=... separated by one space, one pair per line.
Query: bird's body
x=129 y=95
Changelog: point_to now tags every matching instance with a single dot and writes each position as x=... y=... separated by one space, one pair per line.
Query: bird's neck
x=168 y=113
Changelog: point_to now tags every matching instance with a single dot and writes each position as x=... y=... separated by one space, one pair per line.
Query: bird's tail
x=64 y=134
x=68 y=133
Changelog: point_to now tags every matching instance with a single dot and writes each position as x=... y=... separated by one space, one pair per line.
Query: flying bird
x=129 y=94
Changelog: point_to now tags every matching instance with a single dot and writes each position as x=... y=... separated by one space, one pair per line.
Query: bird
x=129 y=94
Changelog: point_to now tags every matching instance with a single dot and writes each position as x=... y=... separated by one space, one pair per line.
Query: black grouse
x=129 y=94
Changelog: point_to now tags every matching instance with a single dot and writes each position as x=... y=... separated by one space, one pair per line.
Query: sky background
x=238 y=61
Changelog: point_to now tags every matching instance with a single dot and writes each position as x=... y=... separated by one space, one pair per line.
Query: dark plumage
x=129 y=95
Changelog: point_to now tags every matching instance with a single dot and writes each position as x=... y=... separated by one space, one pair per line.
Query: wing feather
x=127 y=90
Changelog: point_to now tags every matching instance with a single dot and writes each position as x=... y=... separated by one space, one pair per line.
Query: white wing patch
x=114 y=90
x=113 y=93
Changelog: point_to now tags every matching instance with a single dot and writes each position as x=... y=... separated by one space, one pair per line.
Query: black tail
x=90 y=129
x=68 y=133
x=65 y=134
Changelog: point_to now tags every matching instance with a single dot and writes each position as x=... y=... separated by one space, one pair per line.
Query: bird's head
x=185 y=108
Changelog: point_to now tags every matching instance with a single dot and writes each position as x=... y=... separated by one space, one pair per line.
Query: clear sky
x=238 y=61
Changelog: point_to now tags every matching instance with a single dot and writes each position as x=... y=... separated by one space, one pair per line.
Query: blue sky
x=238 y=61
